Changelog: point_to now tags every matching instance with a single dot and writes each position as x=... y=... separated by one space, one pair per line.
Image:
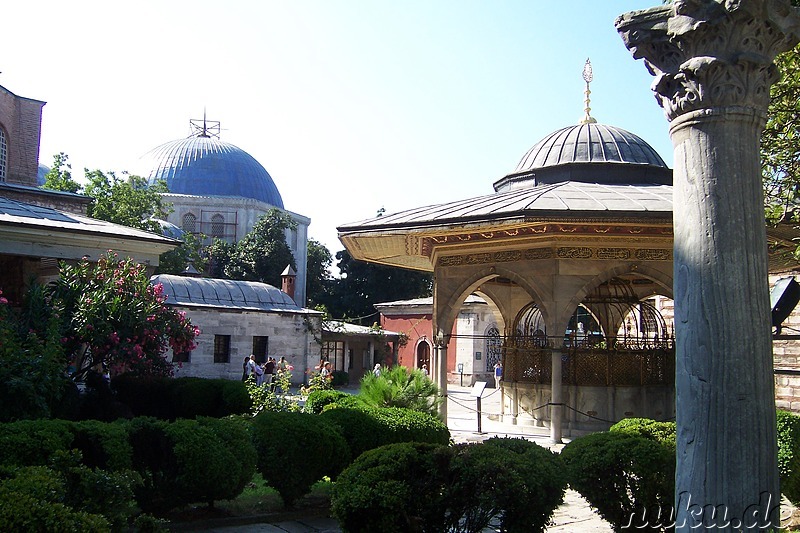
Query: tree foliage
x=363 y=285
x=116 y=318
x=175 y=261
x=780 y=141
x=263 y=254
x=320 y=281
x=127 y=201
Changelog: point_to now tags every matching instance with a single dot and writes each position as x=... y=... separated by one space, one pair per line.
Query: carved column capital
x=711 y=53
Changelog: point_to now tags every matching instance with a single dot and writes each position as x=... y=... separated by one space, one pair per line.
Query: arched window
x=189 y=223
x=493 y=348
x=218 y=226
x=3 y=155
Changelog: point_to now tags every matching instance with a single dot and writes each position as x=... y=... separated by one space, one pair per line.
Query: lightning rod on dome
x=587 y=77
x=204 y=128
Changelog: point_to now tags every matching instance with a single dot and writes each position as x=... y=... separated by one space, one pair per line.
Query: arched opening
x=218 y=226
x=424 y=355
x=189 y=223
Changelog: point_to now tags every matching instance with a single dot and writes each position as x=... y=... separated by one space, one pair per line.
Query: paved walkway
x=573 y=516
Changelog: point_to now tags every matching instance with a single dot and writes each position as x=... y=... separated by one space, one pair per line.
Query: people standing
x=246 y=369
x=257 y=371
x=269 y=371
x=377 y=370
x=425 y=370
x=326 y=372
x=498 y=374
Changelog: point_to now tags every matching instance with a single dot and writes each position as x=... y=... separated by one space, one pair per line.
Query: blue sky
x=350 y=105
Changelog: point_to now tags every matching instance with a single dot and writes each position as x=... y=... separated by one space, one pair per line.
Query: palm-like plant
x=399 y=387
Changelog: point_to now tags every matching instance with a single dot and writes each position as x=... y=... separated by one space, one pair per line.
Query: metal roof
x=345 y=328
x=567 y=198
x=227 y=294
x=205 y=166
x=589 y=143
x=20 y=214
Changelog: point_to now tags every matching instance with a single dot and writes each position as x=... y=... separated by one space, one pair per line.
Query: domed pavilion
x=573 y=253
x=220 y=191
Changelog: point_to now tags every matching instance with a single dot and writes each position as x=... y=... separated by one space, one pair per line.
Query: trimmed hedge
x=626 y=477
x=33 y=442
x=788 y=425
x=295 y=450
x=102 y=444
x=319 y=398
x=188 y=397
x=427 y=487
x=644 y=427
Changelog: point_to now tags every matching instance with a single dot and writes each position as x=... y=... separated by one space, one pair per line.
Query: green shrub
x=393 y=489
x=788 y=426
x=359 y=427
x=32 y=442
x=407 y=425
x=235 y=400
x=645 y=427
x=206 y=469
x=340 y=378
x=155 y=461
x=397 y=387
x=30 y=500
x=295 y=450
x=102 y=444
x=529 y=507
x=97 y=491
x=319 y=398
x=234 y=432
x=626 y=477
x=145 y=396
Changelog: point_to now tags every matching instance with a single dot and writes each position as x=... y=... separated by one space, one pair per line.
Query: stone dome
x=206 y=166
x=589 y=152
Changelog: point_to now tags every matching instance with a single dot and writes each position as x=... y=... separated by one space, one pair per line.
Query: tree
x=320 y=281
x=263 y=254
x=130 y=202
x=115 y=318
x=780 y=142
x=363 y=285
x=176 y=261
x=219 y=254
x=59 y=178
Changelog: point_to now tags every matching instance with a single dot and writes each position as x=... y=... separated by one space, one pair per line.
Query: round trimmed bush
x=103 y=445
x=408 y=425
x=623 y=476
x=359 y=427
x=295 y=450
x=393 y=489
x=530 y=506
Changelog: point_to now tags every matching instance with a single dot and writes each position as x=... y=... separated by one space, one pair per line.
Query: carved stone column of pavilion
x=440 y=362
x=556 y=398
x=713 y=66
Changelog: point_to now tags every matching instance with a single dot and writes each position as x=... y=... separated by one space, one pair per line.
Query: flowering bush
x=116 y=318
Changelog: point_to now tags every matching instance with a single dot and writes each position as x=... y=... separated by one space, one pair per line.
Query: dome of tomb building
x=203 y=165
x=588 y=152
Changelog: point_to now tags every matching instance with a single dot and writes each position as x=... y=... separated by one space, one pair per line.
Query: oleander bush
x=788 y=426
x=626 y=477
x=295 y=450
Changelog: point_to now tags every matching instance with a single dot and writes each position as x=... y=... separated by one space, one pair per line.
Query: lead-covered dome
x=206 y=166
x=589 y=152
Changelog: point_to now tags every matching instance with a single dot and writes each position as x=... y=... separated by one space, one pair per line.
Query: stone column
x=557 y=397
x=713 y=66
x=440 y=356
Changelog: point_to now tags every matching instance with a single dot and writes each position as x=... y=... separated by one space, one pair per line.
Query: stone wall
x=786 y=357
x=288 y=335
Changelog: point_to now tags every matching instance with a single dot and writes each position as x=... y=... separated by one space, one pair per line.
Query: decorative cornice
x=552 y=230
x=710 y=53
x=562 y=252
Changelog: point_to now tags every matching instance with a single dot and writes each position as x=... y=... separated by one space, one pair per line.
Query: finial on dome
x=587 y=77
x=204 y=128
